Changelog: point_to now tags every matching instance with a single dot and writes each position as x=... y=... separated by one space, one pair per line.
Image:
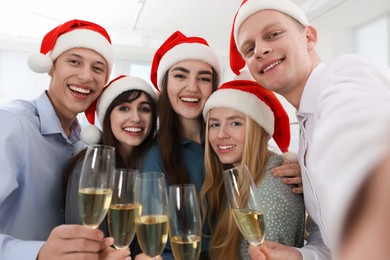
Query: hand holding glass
x=95 y=187
x=123 y=209
x=246 y=209
x=151 y=225
x=184 y=222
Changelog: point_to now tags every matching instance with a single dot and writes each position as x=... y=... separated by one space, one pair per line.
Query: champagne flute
x=246 y=209
x=184 y=222
x=151 y=224
x=95 y=187
x=123 y=209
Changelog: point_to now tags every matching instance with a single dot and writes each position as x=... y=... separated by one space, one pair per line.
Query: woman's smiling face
x=189 y=86
x=227 y=133
x=131 y=122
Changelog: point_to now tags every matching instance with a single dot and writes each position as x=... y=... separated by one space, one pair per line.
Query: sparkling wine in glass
x=123 y=208
x=151 y=224
x=184 y=222
x=245 y=207
x=95 y=187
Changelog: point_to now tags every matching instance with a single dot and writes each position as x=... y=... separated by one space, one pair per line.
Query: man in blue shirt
x=38 y=138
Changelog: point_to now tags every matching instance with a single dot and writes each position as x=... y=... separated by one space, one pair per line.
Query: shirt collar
x=308 y=100
x=50 y=124
x=186 y=141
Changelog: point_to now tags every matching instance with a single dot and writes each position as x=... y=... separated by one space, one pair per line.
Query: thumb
x=255 y=253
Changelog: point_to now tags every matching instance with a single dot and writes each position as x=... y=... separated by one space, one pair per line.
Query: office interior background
x=138 y=27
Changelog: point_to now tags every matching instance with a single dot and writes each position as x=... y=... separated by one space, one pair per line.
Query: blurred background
x=138 y=27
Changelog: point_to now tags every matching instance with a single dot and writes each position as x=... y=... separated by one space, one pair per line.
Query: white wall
x=16 y=79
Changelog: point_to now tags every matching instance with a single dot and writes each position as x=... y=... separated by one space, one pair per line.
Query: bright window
x=372 y=39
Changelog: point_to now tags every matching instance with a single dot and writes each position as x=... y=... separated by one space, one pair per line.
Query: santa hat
x=179 y=47
x=250 y=7
x=69 y=35
x=91 y=134
x=248 y=97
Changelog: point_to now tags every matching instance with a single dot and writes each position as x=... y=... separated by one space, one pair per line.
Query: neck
x=66 y=118
x=191 y=129
x=125 y=151
x=294 y=95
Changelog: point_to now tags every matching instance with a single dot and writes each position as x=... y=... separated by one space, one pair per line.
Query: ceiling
x=142 y=25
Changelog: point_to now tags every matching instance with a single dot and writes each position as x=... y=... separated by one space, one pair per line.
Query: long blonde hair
x=225 y=235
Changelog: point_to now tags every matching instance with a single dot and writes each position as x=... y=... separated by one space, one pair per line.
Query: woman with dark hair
x=126 y=110
x=186 y=70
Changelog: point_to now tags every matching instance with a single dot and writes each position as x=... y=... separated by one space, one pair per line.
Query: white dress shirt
x=315 y=249
x=351 y=135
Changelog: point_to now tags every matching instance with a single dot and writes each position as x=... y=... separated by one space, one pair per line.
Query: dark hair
x=108 y=137
x=169 y=134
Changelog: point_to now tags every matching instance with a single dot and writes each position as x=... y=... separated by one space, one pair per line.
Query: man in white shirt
x=344 y=114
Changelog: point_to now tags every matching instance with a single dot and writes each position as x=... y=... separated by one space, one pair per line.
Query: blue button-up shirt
x=34 y=152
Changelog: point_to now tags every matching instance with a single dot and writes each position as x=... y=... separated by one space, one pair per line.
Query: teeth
x=80 y=90
x=190 y=99
x=225 y=147
x=271 y=66
x=133 y=129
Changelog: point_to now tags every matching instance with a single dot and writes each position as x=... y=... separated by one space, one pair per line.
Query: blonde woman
x=241 y=117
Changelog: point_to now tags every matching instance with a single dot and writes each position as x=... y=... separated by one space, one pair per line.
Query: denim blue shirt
x=34 y=152
x=193 y=156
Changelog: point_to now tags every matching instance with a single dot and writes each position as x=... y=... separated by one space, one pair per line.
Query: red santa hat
x=179 y=47
x=248 y=97
x=91 y=134
x=69 y=35
x=250 y=7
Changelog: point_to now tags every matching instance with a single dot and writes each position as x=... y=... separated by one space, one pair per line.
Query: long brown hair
x=169 y=134
x=225 y=235
x=108 y=137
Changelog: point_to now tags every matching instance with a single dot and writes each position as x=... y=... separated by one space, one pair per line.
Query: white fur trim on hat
x=188 y=51
x=90 y=135
x=78 y=38
x=244 y=102
x=118 y=87
x=251 y=7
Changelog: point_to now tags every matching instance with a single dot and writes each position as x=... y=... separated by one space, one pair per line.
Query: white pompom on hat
x=250 y=98
x=292 y=157
x=69 y=35
x=250 y=7
x=179 y=47
x=91 y=134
